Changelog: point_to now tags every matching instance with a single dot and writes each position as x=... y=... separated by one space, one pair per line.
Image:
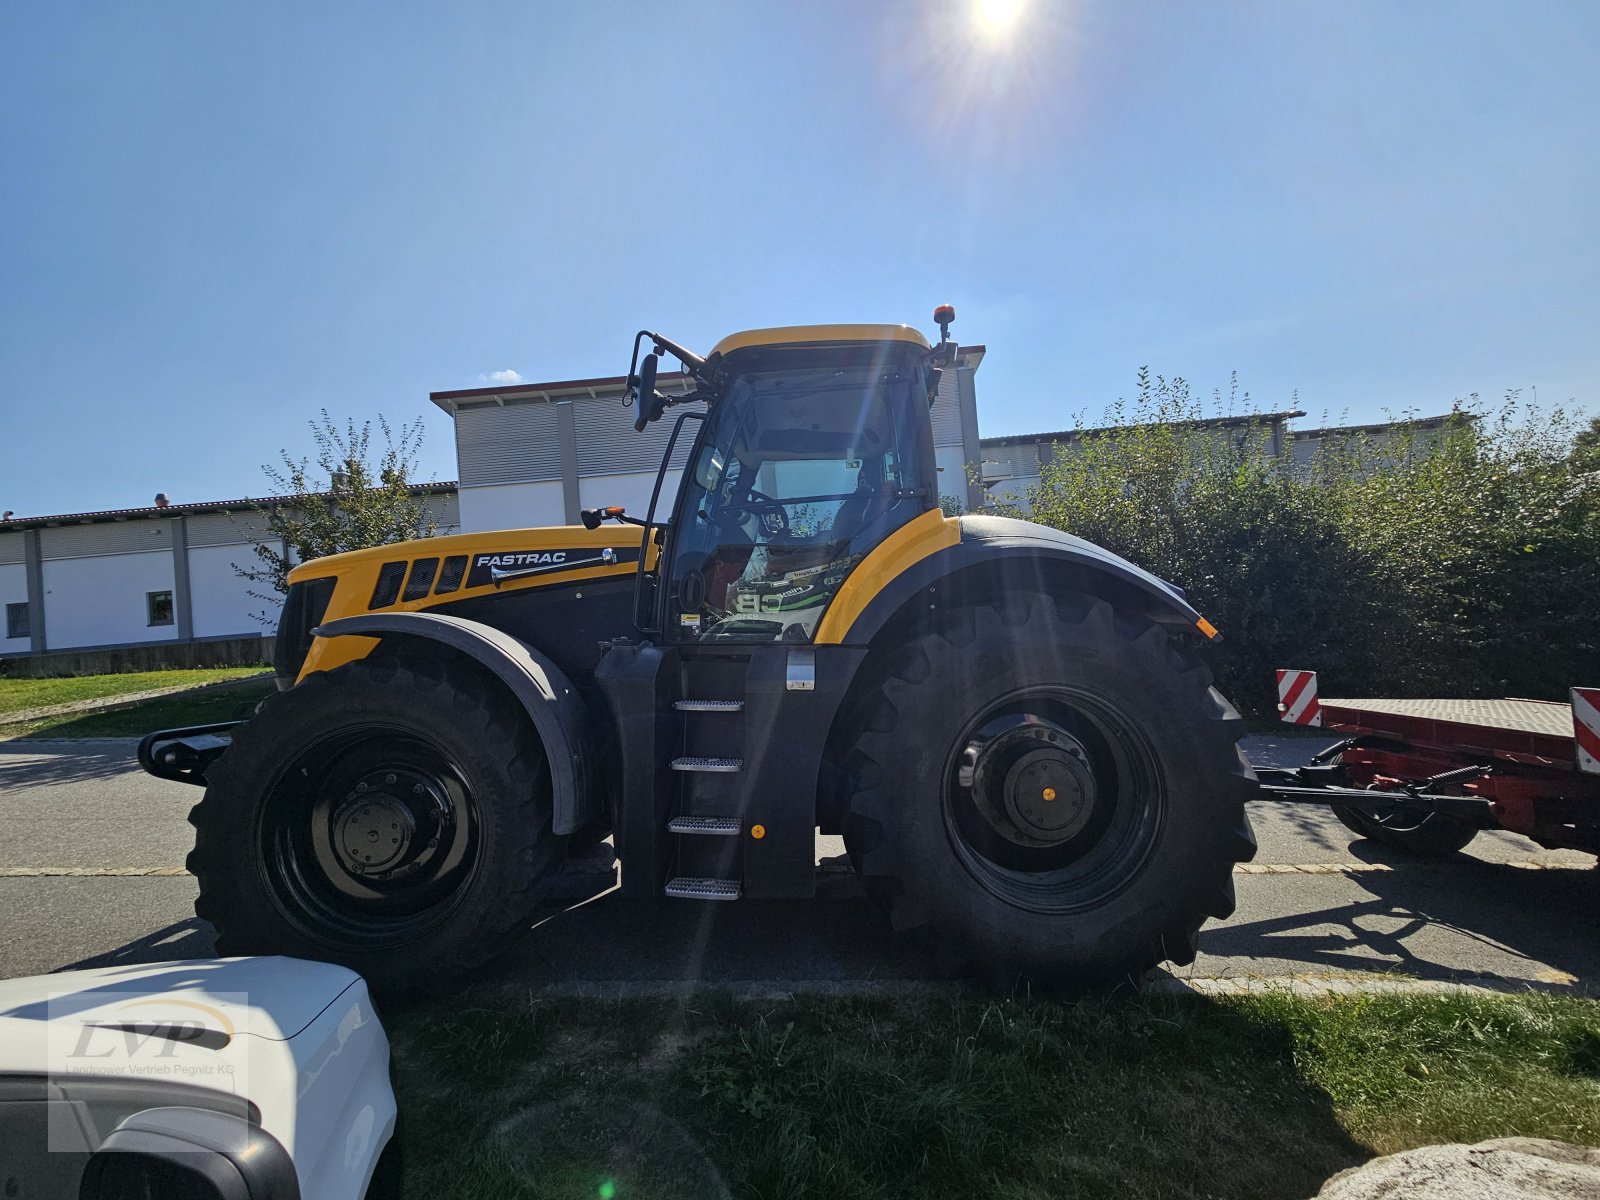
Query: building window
x=159 y=605
x=17 y=624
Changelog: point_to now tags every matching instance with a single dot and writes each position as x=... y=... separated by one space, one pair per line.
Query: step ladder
x=707 y=826
x=725 y=766
x=703 y=720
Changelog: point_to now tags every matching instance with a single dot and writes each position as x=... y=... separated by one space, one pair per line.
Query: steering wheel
x=770 y=514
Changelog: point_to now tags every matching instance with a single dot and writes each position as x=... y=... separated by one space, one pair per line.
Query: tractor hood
x=550 y=539
x=422 y=574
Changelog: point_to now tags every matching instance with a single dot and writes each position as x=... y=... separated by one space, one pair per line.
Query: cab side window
x=784 y=502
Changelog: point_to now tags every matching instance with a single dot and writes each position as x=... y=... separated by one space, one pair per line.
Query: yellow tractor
x=1010 y=726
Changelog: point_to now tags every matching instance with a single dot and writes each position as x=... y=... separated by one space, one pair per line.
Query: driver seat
x=869 y=502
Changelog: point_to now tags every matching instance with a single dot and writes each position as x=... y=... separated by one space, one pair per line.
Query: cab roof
x=791 y=335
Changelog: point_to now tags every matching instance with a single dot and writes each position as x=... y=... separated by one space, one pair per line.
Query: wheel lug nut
x=362 y=786
x=389 y=778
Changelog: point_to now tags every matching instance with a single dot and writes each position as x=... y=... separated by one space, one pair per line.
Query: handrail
x=652 y=532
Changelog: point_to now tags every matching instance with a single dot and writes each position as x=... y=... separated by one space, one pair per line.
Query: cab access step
x=719 y=771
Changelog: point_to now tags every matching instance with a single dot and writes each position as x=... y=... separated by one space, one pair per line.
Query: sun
x=997 y=19
x=985 y=65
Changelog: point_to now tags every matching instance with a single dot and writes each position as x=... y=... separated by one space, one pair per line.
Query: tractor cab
x=814 y=446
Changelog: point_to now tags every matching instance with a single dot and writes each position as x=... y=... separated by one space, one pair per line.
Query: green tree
x=347 y=496
x=1484 y=542
x=1586 y=447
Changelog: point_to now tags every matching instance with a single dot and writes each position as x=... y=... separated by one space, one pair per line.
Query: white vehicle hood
x=283 y=996
x=299 y=1040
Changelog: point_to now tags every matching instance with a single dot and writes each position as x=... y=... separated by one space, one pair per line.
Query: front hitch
x=183 y=755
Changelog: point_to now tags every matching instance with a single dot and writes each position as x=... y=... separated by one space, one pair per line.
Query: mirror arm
x=660 y=403
x=640 y=387
x=692 y=363
x=632 y=384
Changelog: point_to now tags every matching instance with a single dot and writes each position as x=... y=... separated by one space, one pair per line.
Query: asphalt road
x=1317 y=902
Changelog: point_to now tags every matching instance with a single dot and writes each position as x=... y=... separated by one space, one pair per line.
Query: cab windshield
x=796 y=476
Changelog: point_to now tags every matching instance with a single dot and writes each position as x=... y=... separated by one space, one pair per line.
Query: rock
x=1503 y=1169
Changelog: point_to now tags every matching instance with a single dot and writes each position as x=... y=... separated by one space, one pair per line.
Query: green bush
x=1455 y=561
x=1488 y=543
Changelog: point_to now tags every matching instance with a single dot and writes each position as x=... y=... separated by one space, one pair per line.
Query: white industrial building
x=139 y=577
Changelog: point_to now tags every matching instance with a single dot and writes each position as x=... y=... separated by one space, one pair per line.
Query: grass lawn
x=19 y=695
x=160 y=713
x=1161 y=1096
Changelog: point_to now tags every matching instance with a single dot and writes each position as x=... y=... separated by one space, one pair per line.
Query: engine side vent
x=422 y=572
x=451 y=574
x=387 y=590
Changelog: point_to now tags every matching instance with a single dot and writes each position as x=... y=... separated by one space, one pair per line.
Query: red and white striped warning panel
x=1586 y=727
x=1297 y=698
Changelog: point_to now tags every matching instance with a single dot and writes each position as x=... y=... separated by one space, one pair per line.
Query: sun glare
x=997 y=19
x=988 y=69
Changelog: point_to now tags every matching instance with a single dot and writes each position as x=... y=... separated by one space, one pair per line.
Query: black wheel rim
x=370 y=836
x=1053 y=799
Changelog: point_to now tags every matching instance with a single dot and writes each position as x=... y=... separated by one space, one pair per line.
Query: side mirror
x=649 y=408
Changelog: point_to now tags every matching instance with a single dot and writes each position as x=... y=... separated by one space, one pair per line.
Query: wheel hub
x=387 y=822
x=372 y=836
x=1050 y=793
x=1031 y=782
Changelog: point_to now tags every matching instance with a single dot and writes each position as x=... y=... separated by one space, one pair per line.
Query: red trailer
x=1426 y=775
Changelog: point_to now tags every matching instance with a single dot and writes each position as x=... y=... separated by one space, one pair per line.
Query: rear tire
x=1433 y=835
x=1048 y=789
x=393 y=816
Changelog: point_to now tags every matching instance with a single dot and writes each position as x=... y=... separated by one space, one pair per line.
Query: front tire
x=393 y=815
x=1048 y=788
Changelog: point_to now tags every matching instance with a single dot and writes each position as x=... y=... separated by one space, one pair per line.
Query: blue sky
x=218 y=218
